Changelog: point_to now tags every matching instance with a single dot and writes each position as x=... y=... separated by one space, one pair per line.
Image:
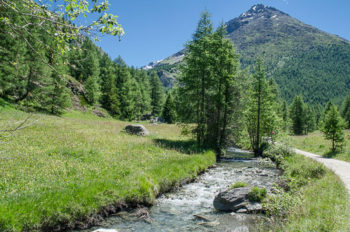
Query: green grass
x=63 y=169
x=315 y=143
x=316 y=199
x=238 y=185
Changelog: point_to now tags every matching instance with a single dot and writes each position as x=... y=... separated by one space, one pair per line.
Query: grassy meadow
x=316 y=143
x=62 y=170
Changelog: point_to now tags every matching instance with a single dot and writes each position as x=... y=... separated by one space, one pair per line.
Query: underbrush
x=309 y=196
x=60 y=172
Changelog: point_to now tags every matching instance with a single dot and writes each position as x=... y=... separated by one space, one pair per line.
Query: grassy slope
x=315 y=143
x=61 y=170
x=316 y=199
x=324 y=205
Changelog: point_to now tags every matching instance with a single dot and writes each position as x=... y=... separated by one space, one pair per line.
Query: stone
x=231 y=200
x=236 y=200
x=137 y=130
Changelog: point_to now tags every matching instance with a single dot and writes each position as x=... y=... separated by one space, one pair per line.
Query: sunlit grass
x=62 y=169
x=315 y=143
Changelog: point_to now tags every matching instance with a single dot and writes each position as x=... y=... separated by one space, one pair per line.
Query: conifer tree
x=261 y=115
x=157 y=94
x=125 y=87
x=332 y=127
x=109 y=94
x=346 y=111
x=196 y=76
x=298 y=115
x=169 y=113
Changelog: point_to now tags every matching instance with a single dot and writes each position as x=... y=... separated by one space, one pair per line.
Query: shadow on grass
x=184 y=146
x=331 y=154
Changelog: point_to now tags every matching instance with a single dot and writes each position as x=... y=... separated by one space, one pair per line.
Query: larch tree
x=345 y=113
x=333 y=128
x=298 y=115
x=169 y=113
x=157 y=94
x=261 y=117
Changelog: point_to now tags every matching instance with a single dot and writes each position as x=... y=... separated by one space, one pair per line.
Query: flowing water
x=176 y=211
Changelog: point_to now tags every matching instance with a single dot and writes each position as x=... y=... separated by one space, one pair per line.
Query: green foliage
x=238 y=185
x=157 y=94
x=298 y=115
x=257 y=194
x=261 y=115
x=332 y=127
x=210 y=87
x=76 y=166
x=345 y=113
x=169 y=113
x=316 y=199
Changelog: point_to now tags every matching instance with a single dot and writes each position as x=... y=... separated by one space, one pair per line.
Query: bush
x=277 y=153
x=257 y=194
x=238 y=185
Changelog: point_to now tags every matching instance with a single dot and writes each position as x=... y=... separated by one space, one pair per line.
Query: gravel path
x=341 y=168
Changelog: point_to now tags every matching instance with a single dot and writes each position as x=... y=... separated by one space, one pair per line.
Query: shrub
x=238 y=185
x=257 y=194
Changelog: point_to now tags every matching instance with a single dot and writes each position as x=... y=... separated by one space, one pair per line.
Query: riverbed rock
x=236 y=200
x=139 y=130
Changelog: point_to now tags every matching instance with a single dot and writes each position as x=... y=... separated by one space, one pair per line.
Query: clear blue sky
x=156 y=29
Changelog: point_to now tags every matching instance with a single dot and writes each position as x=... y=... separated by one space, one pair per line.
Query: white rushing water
x=190 y=208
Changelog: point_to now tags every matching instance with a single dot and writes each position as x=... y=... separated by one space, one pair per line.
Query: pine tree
x=346 y=111
x=157 y=94
x=125 y=87
x=298 y=115
x=109 y=93
x=91 y=90
x=332 y=127
x=310 y=119
x=169 y=113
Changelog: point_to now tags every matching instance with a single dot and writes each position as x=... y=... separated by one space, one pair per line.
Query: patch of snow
x=254 y=7
x=275 y=16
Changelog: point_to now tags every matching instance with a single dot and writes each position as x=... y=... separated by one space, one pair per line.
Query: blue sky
x=156 y=29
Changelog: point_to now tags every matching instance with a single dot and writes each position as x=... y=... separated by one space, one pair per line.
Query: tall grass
x=63 y=169
x=315 y=198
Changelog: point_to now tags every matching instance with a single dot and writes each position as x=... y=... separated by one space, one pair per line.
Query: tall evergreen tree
x=125 y=86
x=332 y=127
x=169 y=113
x=261 y=115
x=109 y=93
x=345 y=113
x=157 y=94
x=196 y=78
x=298 y=115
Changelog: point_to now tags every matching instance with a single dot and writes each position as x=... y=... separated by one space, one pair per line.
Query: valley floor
x=315 y=143
x=64 y=170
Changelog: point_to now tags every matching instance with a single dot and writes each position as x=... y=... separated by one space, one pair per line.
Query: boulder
x=236 y=200
x=137 y=130
x=231 y=200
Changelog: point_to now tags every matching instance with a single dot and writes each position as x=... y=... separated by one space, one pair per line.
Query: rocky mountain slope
x=301 y=58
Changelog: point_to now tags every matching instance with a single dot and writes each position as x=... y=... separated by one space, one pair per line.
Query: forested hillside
x=37 y=74
x=301 y=58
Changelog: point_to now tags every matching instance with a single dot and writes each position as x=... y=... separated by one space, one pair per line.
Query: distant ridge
x=301 y=58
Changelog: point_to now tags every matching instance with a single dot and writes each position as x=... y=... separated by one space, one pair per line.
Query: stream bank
x=190 y=208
